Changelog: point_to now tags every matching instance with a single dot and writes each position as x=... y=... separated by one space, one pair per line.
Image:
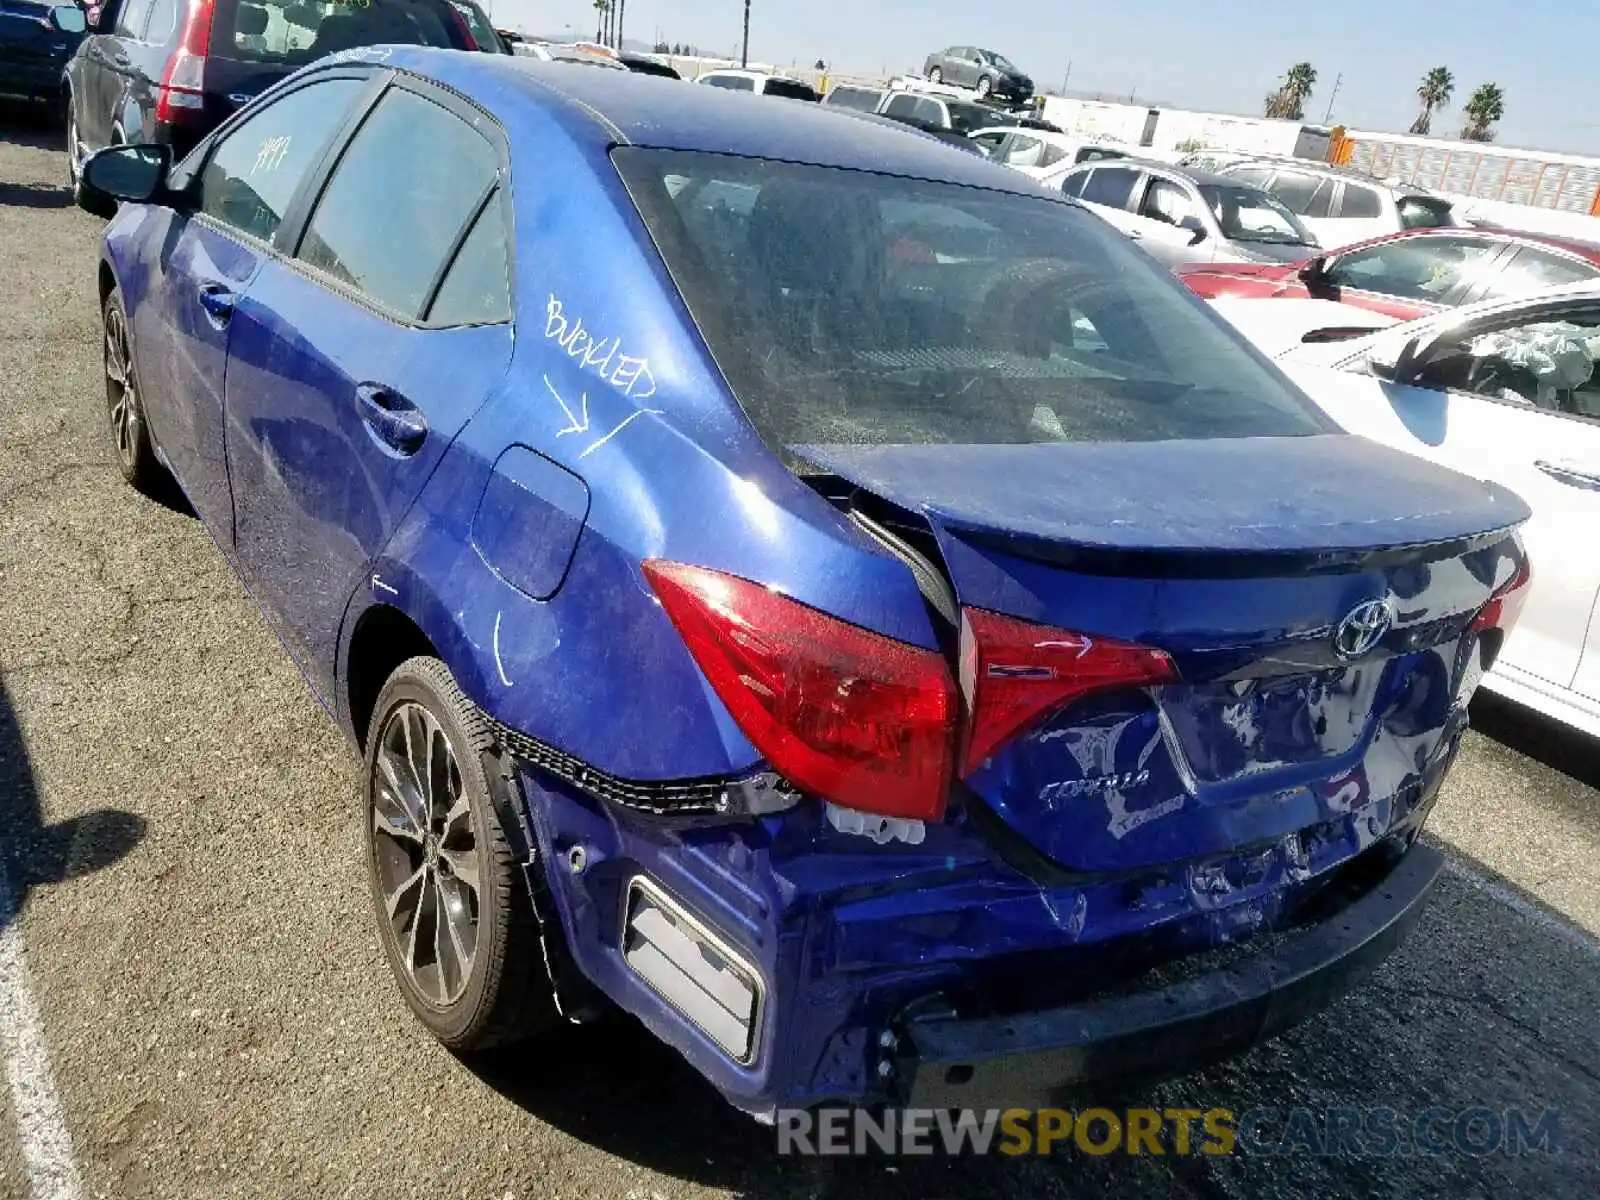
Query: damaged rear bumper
x=950 y=1062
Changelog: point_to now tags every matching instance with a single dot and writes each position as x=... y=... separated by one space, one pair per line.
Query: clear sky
x=1221 y=55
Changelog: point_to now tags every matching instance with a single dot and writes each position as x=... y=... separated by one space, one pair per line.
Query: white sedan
x=1506 y=391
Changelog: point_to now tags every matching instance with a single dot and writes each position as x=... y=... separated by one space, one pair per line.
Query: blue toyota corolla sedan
x=794 y=581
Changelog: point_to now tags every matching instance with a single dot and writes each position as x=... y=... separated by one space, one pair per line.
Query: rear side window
x=1531 y=269
x=903 y=105
x=1110 y=186
x=163 y=22
x=853 y=307
x=395 y=206
x=253 y=173
x=1360 y=201
x=928 y=111
x=131 y=20
x=1072 y=185
x=477 y=288
x=292 y=32
x=1294 y=189
x=734 y=83
x=1321 y=202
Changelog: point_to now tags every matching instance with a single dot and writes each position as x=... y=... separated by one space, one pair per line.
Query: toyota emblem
x=1363 y=628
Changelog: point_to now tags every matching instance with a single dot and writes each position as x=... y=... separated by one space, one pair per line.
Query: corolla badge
x=1363 y=628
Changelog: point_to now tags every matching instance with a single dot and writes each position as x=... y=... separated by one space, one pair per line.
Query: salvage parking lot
x=187 y=929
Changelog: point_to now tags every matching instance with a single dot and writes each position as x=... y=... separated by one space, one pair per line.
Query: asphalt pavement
x=192 y=998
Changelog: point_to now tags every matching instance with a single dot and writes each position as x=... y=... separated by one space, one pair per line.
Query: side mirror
x=1197 y=231
x=69 y=19
x=1396 y=362
x=1314 y=271
x=134 y=173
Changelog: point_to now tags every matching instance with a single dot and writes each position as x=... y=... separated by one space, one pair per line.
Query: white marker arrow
x=574 y=425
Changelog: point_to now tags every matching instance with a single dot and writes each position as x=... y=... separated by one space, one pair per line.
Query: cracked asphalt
x=181 y=825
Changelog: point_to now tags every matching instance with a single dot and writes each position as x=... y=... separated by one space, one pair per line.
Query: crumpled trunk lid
x=1242 y=560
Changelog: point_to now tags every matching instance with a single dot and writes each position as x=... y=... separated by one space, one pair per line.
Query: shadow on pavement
x=37 y=125
x=34 y=195
x=33 y=853
x=1483 y=1009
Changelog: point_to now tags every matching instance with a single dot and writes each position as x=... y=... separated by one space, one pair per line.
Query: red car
x=1411 y=274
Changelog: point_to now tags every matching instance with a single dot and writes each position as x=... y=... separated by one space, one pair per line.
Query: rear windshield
x=850 y=307
x=860 y=99
x=1424 y=212
x=789 y=89
x=293 y=33
x=969 y=118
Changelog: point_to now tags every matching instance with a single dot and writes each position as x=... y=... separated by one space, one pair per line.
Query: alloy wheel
x=425 y=848
x=122 y=395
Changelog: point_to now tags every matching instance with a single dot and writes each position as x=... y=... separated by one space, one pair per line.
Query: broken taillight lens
x=846 y=714
x=1015 y=673
x=1505 y=606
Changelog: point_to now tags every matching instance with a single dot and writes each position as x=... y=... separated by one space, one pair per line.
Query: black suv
x=987 y=73
x=170 y=71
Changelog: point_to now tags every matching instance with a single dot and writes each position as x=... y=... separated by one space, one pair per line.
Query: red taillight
x=849 y=715
x=181 y=96
x=1014 y=673
x=1505 y=606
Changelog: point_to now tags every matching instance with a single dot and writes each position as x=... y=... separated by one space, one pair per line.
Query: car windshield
x=1247 y=214
x=292 y=32
x=857 y=307
x=969 y=118
x=999 y=60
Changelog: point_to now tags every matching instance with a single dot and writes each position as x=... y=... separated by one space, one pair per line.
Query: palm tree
x=1435 y=91
x=744 y=60
x=1289 y=101
x=1486 y=106
x=622 y=14
x=601 y=8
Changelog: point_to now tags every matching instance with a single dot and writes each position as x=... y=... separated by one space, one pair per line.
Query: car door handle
x=1571 y=475
x=218 y=302
x=395 y=421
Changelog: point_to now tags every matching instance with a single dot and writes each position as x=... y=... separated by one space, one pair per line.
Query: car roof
x=1575 y=246
x=1338 y=170
x=605 y=108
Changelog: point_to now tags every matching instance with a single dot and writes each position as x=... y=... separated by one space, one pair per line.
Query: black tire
x=936 y=76
x=985 y=87
x=125 y=417
x=503 y=994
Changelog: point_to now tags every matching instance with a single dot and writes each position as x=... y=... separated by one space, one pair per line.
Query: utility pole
x=1067 y=78
x=1334 y=95
x=744 y=58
